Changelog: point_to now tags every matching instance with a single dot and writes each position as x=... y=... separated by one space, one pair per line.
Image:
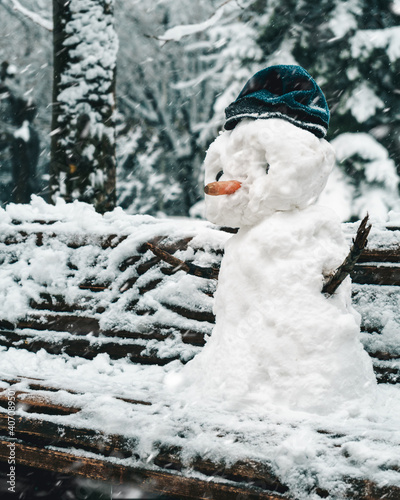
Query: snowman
x=278 y=340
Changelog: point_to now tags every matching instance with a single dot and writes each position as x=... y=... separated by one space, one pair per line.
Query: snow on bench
x=91 y=321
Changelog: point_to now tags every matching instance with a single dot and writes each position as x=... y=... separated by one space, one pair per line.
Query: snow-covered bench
x=91 y=322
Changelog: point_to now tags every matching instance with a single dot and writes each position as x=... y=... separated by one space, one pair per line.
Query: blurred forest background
x=180 y=63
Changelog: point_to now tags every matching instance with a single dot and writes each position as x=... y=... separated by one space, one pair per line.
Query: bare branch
x=359 y=243
x=202 y=272
x=176 y=33
x=33 y=16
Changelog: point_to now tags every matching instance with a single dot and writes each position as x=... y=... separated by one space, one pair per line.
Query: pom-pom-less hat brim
x=282 y=91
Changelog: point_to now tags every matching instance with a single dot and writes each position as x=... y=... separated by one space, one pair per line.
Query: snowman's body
x=278 y=339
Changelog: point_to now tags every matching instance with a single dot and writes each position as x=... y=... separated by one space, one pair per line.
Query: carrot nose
x=222 y=187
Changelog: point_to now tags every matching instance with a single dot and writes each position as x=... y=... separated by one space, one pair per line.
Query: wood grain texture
x=169 y=483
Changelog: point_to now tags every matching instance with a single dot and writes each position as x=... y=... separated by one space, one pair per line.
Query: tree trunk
x=83 y=162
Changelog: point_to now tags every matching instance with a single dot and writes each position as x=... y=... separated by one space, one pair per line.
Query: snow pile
x=278 y=340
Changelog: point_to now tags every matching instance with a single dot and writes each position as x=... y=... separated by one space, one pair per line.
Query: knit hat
x=286 y=92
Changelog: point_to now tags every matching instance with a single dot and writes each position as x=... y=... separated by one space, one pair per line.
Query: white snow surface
x=305 y=449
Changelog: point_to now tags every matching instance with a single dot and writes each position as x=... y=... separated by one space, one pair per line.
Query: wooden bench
x=94 y=321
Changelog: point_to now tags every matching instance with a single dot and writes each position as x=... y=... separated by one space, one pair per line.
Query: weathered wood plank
x=82 y=325
x=35 y=384
x=380 y=255
x=34 y=403
x=256 y=473
x=71 y=240
x=173 y=484
x=76 y=325
x=368 y=274
x=201 y=316
x=149 y=480
x=387 y=375
x=44 y=433
x=81 y=347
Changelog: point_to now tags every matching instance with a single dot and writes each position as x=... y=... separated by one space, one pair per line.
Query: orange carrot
x=222 y=187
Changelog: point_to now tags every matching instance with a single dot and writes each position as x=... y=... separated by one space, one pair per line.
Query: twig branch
x=176 y=33
x=33 y=16
x=202 y=272
x=359 y=243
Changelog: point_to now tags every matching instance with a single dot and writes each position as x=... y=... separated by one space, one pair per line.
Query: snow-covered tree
x=26 y=46
x=352 y=50
x=83 y=129
x=19 y=141
x=166 y=98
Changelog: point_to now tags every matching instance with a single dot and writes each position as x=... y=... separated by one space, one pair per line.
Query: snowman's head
x=264 y=166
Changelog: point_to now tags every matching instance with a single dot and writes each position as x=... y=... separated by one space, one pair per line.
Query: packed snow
x=278 y=340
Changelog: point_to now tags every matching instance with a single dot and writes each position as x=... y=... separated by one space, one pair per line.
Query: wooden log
x=365 y=274
x=76 y=325
x=71 y=240
x=367 y=490
x=256 y=473
x=173 y=484
x=34 y=403
x=387 y=375
x=42 y=222
x=383 y=356
x=94 y=287
x=38 y=385
x=380 y=255
x=129 y=262
x=82 y=348
x=193 y=338
x=33 y=430
x=149 y=286
x=44 y=433
x=79 y=325
x=148 y=480
x=201 y=316
x=54 y=303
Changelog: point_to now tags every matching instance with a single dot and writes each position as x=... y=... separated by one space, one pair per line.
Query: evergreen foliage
x=171 y=94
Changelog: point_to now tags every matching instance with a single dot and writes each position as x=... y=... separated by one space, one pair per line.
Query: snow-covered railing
x=92 y=320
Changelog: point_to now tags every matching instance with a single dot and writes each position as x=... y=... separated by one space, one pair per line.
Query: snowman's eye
x=219 y=175
x=267 y=168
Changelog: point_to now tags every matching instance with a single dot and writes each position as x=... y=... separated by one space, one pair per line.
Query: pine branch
x=341 y=273
x=202 y=272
